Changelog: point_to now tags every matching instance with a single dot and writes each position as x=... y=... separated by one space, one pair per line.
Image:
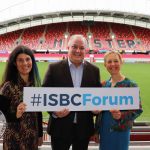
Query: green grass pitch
x=139 y=72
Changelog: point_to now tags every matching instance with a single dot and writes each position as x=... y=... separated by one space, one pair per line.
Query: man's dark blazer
x=58 y=75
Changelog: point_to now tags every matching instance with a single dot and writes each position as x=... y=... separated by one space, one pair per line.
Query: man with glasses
x=66 y=127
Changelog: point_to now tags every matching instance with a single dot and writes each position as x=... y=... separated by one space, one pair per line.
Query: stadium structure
x=45 y=27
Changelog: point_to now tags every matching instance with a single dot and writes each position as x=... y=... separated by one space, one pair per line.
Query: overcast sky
x=8 y=3
x=22 y=8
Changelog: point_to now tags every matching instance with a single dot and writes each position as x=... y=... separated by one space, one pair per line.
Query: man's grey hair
x=76 y=36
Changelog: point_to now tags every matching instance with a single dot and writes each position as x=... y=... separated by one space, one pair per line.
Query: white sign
x=80 y=99
x=2 y=124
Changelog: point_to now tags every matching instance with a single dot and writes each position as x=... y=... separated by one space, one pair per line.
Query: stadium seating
x=52 y=36
x=143 y=37
x=31 y=37
x=54 y=32
x=77 y=28
x=8 y=41
x=100 y=31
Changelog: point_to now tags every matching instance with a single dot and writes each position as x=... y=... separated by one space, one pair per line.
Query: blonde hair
x=112 y=52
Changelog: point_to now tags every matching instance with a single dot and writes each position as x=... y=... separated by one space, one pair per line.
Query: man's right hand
x=62 y=113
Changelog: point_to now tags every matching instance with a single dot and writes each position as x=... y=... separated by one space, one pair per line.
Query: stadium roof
x=21 y=14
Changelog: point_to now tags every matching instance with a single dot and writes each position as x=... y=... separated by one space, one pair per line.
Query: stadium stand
x=100 y=31
x=31 y=37
x=77 y=28
x=9 y=41
x=143 y=37
x=122 y=35
x=99 y=35
x=54 y=32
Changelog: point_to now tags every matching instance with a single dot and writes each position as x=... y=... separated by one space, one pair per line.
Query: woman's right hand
x=20 y=109
x=116 y=114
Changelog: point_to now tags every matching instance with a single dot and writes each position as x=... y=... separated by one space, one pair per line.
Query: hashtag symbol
x=36 y=100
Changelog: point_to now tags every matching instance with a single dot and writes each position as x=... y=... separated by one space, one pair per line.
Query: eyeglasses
x=75 y=47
